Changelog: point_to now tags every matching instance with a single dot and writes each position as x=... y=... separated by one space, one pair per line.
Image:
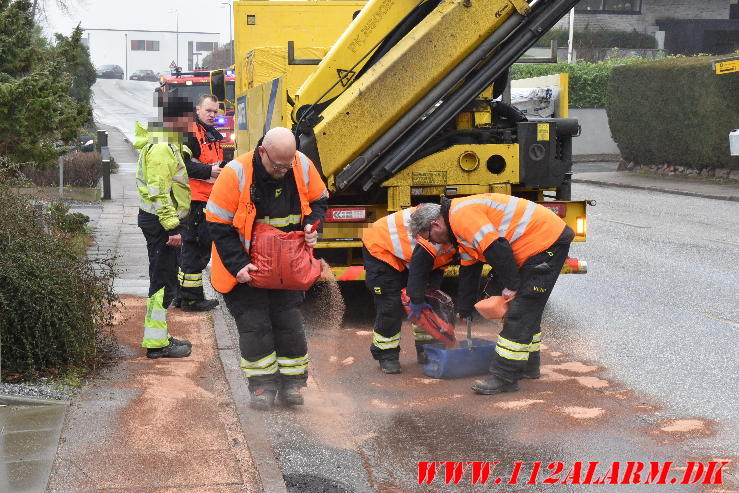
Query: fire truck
x=192 y=85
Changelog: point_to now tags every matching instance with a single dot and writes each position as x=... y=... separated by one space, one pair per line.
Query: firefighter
x=164 y=192
x=388 y=248
x=277 y=185
x=526 y=245
x=203 y=168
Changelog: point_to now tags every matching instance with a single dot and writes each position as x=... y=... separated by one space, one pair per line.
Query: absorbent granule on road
x=324 y=307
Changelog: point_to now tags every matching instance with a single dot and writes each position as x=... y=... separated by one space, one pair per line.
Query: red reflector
x=346 y=214
x=559 y=209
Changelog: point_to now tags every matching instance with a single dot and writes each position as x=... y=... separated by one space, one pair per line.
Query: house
x=680 y=26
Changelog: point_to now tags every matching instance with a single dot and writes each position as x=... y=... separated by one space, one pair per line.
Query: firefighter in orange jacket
x=526 y=245
x=388 y=249
x=204 y=140
x=277 y=185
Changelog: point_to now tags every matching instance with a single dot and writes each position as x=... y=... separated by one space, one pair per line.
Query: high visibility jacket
x=210 y=153
x=230 y=203
x=161 y=177
x=479 y=220
x=390 y=240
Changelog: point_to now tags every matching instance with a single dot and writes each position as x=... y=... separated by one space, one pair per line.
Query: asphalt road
x=640 y=358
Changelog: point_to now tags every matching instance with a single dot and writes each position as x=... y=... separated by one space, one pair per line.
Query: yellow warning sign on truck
x=542 y=131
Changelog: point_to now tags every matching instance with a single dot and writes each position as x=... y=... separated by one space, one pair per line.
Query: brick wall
x=651 y=10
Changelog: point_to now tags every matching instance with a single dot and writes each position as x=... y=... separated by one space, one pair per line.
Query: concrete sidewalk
x=604 y=173
x=153 y=425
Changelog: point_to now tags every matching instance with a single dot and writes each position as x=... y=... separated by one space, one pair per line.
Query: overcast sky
x=194 y=15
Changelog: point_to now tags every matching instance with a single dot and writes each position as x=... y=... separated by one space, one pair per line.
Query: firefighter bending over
x=277 y=185
x=388 y=248
x=526 y=244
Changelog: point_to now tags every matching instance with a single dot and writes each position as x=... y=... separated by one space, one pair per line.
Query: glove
x=416 y=309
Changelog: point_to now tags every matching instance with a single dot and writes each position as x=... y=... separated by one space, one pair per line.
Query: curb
x=651 y=188
x=252 y=422
x=14 y=400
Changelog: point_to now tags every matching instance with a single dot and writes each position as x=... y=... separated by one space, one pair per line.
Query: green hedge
x=675 y=111
x=599 y=39
x=588 y=81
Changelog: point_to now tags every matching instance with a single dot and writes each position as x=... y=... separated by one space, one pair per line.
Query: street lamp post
x=177 y=39
x=230 y=32
x=125 y=36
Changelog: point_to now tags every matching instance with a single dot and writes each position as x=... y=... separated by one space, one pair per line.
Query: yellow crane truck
x=397 y=102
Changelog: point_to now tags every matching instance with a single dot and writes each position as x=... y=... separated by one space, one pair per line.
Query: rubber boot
x=290 y=396
x=198 y=306
x=494 y=385
x=262 y=399
x=532 y=370
x=390 y=366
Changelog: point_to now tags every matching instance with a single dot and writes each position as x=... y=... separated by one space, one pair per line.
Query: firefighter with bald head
x=388 y=248
x=280 y=186
x=526 y=245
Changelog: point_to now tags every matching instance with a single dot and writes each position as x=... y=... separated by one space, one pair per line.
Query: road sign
x=173 y=65
x=726 y=65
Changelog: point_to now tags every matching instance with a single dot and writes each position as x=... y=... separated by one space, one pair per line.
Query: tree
x=37 y=113
x=218 y=58
x=77 y=60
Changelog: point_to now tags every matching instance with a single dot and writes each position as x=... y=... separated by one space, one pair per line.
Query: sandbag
x=283 y=260
x=493 y=307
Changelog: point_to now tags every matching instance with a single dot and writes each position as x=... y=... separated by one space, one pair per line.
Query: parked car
x=149 y=75
x=110 y=72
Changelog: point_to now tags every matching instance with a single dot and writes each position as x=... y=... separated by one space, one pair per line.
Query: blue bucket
x=458 y=362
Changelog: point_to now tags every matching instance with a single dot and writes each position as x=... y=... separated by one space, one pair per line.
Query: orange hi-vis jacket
x=389 y=239
x=231 y=203
x=210 y=153
x=479 y=220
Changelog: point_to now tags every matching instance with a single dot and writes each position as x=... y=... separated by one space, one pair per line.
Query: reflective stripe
x=155 y=333
x=508 y=215
x=394 y=238
x=466 y=243
x=193 y=277
x=158 y=315
x=219 y=212
x=421 y=335
x=534 y=347
x=155 y=322
x=303 y=360
x=536 y=338
x=153 y=190
x=464 y=256
x=488 y=228
x=305 y=164
x=279 y=222
x=324 y=194
x=513 y=346
x=191 y=284
x=523 y=356
x=521 y=228
x=382 y=342
x=488 y=202
x=239 y=169
x=260 y=363
x=407 y=225
x=151 y=207
x=245 y=242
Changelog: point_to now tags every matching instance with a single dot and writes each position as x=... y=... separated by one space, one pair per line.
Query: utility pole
x=570 y=46
x=230 y=32
x=177 y=39
x=125 y=47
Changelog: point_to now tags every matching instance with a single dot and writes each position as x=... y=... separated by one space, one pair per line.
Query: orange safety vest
x=479 y=220
x=210 y=153
x=389 y=239
x=230 y=203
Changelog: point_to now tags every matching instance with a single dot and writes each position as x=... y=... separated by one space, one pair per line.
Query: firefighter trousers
x=518 y=346
x=274 y=350
x=162 y=280
x=196 y=248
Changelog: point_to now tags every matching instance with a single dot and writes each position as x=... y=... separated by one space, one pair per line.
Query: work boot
x=494 y=385
x=421 y=355
x=290 y=395
x=390 y=366
x=262 y=399
x=177 y=302
x=532 y=370
x=199 y=306
x=169 y=351
x=179 y=342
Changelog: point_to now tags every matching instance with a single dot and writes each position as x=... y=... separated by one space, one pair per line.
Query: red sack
x=283 y=260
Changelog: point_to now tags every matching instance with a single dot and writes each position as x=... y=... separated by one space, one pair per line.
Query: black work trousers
x=274 y=350
x=196 y=248
x=385 y=283
x=162 y=258
x=521 y=334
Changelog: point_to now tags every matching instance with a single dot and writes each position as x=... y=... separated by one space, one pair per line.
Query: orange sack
x=283 y=260
x=492 y=307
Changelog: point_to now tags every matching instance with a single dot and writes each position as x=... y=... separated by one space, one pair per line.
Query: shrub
x=81 y=169
x=675 y=111
x=588 y=81
x=601 y=38
x=56 y=305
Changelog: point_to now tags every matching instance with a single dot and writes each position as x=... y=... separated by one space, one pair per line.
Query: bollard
x=102 y=143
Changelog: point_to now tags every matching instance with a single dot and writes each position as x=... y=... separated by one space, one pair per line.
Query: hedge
x=599 y=39
x=588 y=81
x=675 y=111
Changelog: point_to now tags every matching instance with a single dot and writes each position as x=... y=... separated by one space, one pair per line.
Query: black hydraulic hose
x=360 y=164
x=538 y=22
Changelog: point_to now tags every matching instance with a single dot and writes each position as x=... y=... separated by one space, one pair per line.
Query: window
x=251 y=20
x=144 y=45
x=205 y=46
x=609 y=6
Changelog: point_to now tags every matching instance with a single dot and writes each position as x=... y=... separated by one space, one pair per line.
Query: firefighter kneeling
x=526 y=244
x=276 y=185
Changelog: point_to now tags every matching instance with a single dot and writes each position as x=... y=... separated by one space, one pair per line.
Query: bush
x=81 y=169
x=601 y=38
x=588 y=81
x=675 y=111
x=56 y=305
